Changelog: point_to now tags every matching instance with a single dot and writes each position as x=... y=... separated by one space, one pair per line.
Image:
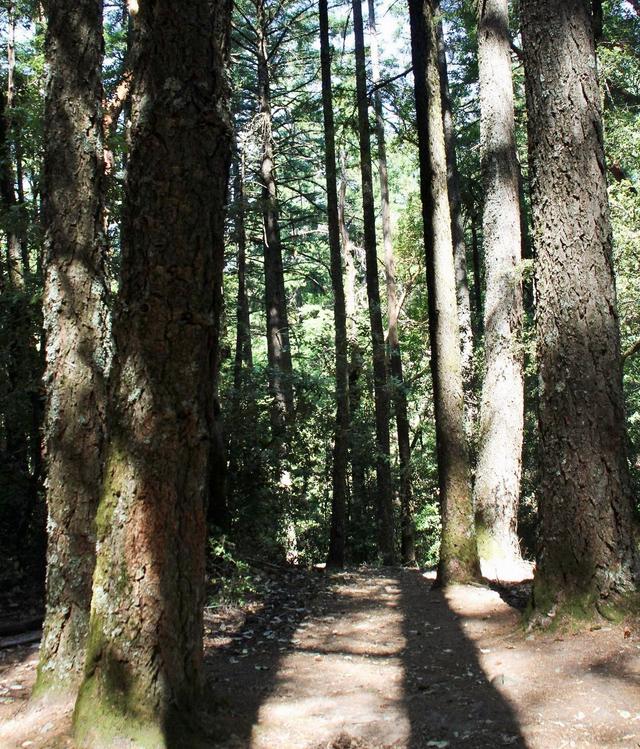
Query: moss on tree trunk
x=144 y=662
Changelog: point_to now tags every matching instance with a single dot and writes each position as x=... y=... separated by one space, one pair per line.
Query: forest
x=319 y=374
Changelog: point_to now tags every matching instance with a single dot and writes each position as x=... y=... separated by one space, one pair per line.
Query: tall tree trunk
x=18 y=248
x=243 y=359
x=278 y=344
x=76 y=321
x=398 y=391
x=341 y=433
x=15 y=418
x=458 y=553
x=497 y=484
x=243 y=354
x=386 y=543
x=457 y=234
x=144 y=662
x=33 y=359
x=358 y=488
x=585 y=499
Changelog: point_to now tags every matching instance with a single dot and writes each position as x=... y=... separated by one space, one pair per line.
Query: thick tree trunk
x=585 y=500
x=144 y=661
x=386 y=544
x=77 y=330
x=278 y=344
x=457 y=235
x=341 y=434
x=398 y=391
x=499 y=468
x=458 y=553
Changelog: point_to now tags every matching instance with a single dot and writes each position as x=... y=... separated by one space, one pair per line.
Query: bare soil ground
x=371 y=659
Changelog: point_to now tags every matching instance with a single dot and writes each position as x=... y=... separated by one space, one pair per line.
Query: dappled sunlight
x=344 y=674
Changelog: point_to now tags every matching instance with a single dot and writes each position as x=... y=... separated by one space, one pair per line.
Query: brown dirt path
x=380 y=660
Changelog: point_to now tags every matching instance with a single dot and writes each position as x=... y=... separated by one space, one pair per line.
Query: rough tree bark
x=499 y=467
x=144 y=659
x=77 y=331
x=278 y=343
x=587 y=554
x=386 y=544
x=458 y=553
x=398 y=391
x=341 y=434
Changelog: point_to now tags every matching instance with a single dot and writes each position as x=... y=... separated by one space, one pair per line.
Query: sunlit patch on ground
x=344 y=676
x=35 y=725
x=379 y=660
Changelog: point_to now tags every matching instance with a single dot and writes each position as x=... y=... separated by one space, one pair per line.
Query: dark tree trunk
x=144 y=661
x=19 y=337
x=278 y=343
x=587 y=554
x=499 y=467
x=398 y=391
x=341 y=434
x=386 y=543
x=14 y=260
x=457 y=235
x=458 y=554
x=76 y=321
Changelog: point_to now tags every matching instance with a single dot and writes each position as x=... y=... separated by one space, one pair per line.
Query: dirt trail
x=380 y=660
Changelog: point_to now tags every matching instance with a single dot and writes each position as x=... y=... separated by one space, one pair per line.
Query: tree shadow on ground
x=243 y=654
x=449 y=699
x=378 y=661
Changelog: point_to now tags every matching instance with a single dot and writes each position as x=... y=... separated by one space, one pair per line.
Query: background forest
x=287 y=288
x=279 y=502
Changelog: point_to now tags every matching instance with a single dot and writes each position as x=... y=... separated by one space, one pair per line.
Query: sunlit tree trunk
x=143 y=670
x=587 y=550
x=499 y=468
x=77 y=331
x=341 y=433
x=386 y=544
x=358 y=488
x=458 y=553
